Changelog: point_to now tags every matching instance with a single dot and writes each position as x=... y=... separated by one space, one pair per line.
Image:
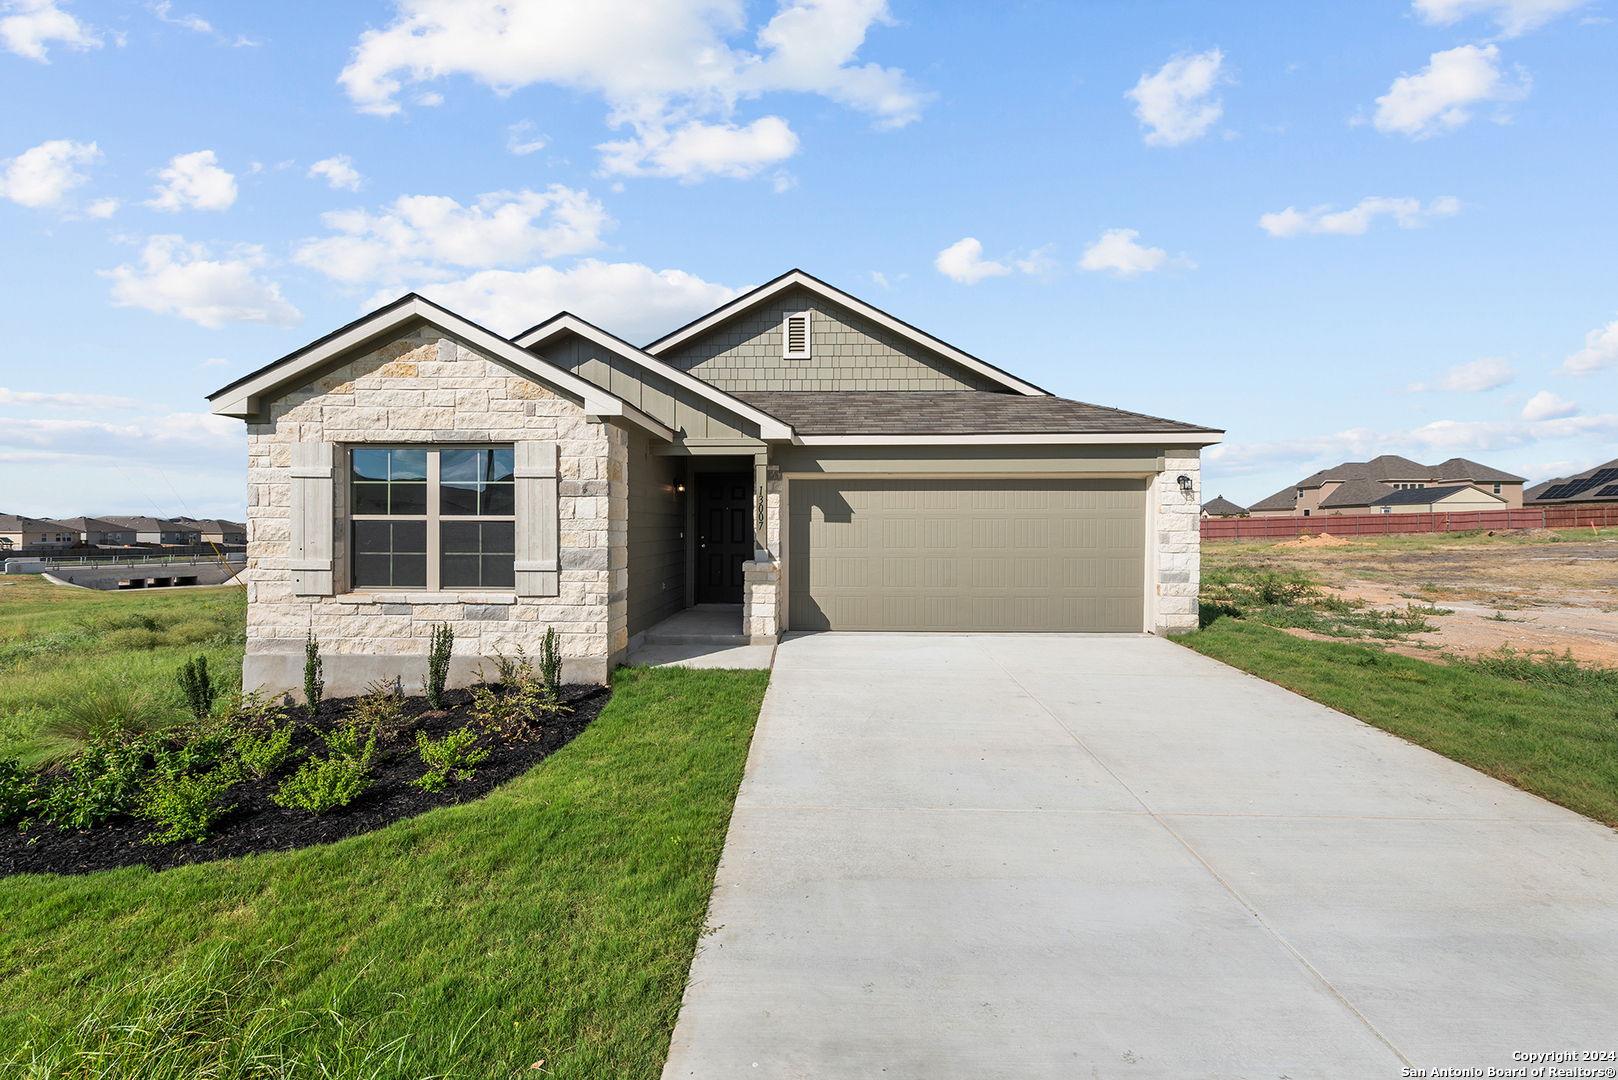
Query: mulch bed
x=258 y=825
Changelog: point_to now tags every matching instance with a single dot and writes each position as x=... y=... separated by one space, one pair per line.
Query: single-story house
x=1219 y=506
x=1454 y=499
x=1370 y=480
x=21 y=532
x=797 y=454
x=157 y=530
x=1592 y=487
x=94 y=531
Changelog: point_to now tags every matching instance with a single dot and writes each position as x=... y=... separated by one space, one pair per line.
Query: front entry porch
x=707 y=635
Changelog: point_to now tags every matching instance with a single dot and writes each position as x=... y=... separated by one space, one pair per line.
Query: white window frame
x=806 y=353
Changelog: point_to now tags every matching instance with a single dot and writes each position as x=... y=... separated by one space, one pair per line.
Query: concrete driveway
x=1058 y=856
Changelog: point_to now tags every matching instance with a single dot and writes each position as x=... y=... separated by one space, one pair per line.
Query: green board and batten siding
x=1026 y=555
x=680 y=408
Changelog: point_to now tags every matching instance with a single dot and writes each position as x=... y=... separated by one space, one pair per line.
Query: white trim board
x=798 y=279
x=1143 y=438
x=769 y=426
x=245 y=399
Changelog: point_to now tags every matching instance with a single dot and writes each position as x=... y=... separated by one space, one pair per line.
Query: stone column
x=1179 y=542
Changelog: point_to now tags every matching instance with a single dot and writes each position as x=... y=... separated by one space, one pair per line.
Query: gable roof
x=1591 y=485
x=150 y=524
x=1390 y=468
x=1361 y=492
x=565 y=322
x=1220 y=506
x=909 y=414
x=90 y=524
x=1285 y=499
x=243 y=398
x=18 y=523
x=1459 y=468
x=1422 y=496
x=798 y=279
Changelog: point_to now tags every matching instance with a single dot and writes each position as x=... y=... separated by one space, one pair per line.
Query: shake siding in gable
x=847 y=353
x=681 y=409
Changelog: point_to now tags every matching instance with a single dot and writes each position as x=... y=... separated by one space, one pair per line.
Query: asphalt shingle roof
x=1599 y=484
x=1285 y=499
x=1220 y=506
x=1355 y=493
x=950 y=412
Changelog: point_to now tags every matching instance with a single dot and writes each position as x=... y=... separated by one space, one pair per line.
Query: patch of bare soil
x=1318 y=540
x=1529 y=589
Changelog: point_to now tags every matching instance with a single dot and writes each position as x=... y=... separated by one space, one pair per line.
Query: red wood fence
x=1284 y=528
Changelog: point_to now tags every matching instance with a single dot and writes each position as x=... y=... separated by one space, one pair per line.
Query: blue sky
x=1334 y=230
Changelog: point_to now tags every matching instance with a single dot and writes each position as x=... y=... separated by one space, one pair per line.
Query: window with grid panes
x=433 y=519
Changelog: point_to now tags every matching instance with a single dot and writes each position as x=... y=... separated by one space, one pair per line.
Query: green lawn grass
x=555 y=919
x=1548 y=728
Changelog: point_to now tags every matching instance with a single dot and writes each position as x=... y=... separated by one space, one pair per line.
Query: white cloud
x=1547 y=406
x=1600 y=351
x=419 y=235
x=1437 y=99
x=339 y=172
x=628 y=299
x=190 y=22
x=196 y=181
x=1038 y=262
x=1447 y=437
x=520 y=142
x=1514 y=17
x=1174 y=104
x=28 y=24
x=66 y=401
x=102 y=208
x=1117 y=251
x=698 y=150
x=661 y=68
x=178 y=278
x=1356 y=220
x=963 y=261
x=42 y=176
x=1479 y=376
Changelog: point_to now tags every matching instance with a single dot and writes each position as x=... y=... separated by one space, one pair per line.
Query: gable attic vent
x=795 y=336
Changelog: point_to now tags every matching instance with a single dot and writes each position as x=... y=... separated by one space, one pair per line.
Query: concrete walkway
x=1055 y=856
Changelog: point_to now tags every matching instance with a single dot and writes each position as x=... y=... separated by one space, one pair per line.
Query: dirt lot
x=1539 y=590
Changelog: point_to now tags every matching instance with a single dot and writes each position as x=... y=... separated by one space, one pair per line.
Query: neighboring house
x=222 y=532
x=1350 y=488
x=797 y=453
x=1454 y=499
x=1222 y=507
x=21 y=532
x=95 y=531
x=157 y=530
x=1593 y=487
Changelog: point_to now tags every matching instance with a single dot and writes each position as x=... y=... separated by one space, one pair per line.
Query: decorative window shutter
x=314 y=523
x=538 y=520
x=795 y=336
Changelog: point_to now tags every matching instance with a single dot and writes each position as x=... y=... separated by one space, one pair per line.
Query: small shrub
x=550 y=665
x=253 y=710
x=262 y=754
x=101 y=782
x=513 y=669
x=314 y=686
x=449 y=758
x=438 y=665
x=323 y=784
x=187 y=804
x=192 y=749
x=199 y=689
x=380 y=711
x=18 y=790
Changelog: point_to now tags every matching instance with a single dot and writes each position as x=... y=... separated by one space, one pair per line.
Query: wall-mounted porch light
x=680 y=488
x=1185 y=485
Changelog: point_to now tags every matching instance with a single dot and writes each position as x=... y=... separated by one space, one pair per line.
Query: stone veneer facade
x=425 y=389
x=1178 y=551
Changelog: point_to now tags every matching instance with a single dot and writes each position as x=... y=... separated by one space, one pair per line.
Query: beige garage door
x=1006 y=555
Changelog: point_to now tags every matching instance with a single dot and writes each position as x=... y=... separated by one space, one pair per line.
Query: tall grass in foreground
x=207 y=1022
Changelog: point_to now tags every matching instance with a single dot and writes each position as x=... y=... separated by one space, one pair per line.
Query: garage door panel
x=896 y=554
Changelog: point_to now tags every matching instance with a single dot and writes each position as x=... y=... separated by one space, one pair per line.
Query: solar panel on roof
x=1605 y=476
x=1579 y=487
x=1560 y=491
x=1608 y=492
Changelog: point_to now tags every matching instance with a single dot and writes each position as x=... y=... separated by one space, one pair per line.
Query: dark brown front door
x=724 y=535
